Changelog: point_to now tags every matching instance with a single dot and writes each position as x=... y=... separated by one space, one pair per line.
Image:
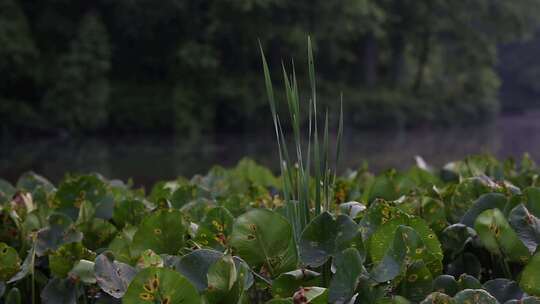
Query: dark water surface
x=149 y=158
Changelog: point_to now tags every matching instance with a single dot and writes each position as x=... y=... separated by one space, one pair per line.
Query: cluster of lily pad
x=466 y=233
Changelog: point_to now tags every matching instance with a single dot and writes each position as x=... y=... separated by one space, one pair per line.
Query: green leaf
x=503 y=289
x=417 y=283
x=532 y=200
x=61 y=231
x=73 y=191
x=530 y=280
x=215 y=228
x=349 y=268
x=149 y=259
x=162 y=285
x=84 y=271
x=325 y=237
x=59 y=291
x=484 y=202
x=398 y=255
x=263 y=237
x=113 y=277
x=446 y=284
x=162 y=231
x=527 y=227
x=129 y=212
x=474 y=296
x=287 y=283
x=62 y=260
x=195 y=266
x=381 y=241
x=225 y=282
x=454 y=238
x=10 y=263
x=438 y=298
x=499 y=238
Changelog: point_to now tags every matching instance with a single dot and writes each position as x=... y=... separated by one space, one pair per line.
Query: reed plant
x=308 y=174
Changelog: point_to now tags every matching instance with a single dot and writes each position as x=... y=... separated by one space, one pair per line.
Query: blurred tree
x=18 y=56
x=78 y=98
x=193 y=65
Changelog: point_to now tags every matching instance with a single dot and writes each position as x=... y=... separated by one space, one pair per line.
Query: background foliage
x=189 y=66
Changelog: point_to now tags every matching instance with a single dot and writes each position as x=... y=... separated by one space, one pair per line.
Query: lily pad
x=325 y=237
x=263 y=237
x=163 y=232
x=162 y=285
x=113 y=277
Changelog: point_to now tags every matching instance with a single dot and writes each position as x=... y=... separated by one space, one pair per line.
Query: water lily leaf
x=417 y=282
x=532 y=200
x=61 y=231
x=225 y=281
x=83 y=271
x=287 y=283
x=498 y=237
x=378 y=213
x=466 y=263
x=527 y=227
x=434 y=214
x=215 y=228
x=62 y=260
x=113 y=277
x=349 y=268
x=464 y=196
x=430 y=253
x=483 y=203
x=163 y=232
x=73 y=191
x=59 y=291
x=474 y=296
x=352 y=209
x=10 y=263
x=26 y=267
x=325 y=237
x=129 y=212
x=446 y=284
x=120 y=246
x=466 y=281
x=455 y=237
x=503 y=289
x=530 y=280
x=31 y=182
x=399 y=253
x=163 y=285
x=183 y=195
x=313 y=295
x=263 y=237
x=6 y=191
x=98 y=233
x=195 y=266
x=438 y=298
x=149 y=259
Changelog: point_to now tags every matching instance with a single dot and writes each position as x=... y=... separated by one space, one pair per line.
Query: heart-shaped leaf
x=325 y=237
x=163 y=232
x=162 y=285
x=263 y=237
x=113 y=277
x=498 y=237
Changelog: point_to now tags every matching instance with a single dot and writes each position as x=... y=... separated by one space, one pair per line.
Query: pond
x=149 y=158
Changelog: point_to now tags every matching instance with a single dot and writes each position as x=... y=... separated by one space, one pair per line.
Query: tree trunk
x=422 y=60
x=370 y=59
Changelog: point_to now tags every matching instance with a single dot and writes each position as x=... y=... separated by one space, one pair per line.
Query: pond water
x=147 y=159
